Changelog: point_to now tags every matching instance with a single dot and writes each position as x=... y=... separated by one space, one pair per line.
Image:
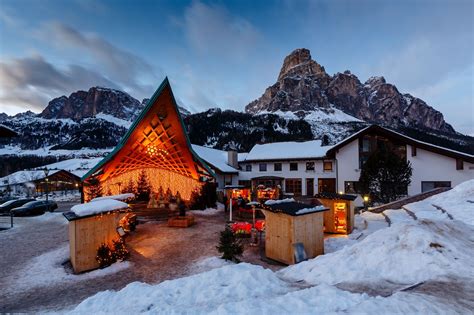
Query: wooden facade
x=158 y=144
x=283 y=229
x=340 y=217
x=86 y=234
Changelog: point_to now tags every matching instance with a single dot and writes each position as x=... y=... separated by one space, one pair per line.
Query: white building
x=307 y=168
x=300 y=168
x=433 y=166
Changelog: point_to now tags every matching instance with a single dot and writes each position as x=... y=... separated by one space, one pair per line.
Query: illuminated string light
x=154 y=151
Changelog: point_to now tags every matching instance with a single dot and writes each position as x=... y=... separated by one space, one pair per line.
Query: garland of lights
x=156 y=178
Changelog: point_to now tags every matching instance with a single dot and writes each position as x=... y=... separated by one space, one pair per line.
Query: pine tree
x=143 y=187
x=120 y=250
x=230 y=246
x=129 y=188
x=94 y=189
x=385 y=176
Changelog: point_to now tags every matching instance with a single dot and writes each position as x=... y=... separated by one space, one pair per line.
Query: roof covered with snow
x=21 y=177
x=287 y=151
x=78 y=167
x=216 y=158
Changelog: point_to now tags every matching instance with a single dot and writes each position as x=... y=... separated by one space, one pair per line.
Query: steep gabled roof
x=379 y=130
x=157 y=138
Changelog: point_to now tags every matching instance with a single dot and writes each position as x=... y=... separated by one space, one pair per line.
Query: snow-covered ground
x=425 y=265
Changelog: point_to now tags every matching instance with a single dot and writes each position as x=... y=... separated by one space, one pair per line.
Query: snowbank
x=47 y=270
x=404 y=253
x=459 y=202
x=248 y=289
x=99 y=206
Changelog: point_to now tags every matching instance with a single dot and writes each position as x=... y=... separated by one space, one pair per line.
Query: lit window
x=327 y=166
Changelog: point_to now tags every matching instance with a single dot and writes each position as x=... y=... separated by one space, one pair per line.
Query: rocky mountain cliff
x=303 y=87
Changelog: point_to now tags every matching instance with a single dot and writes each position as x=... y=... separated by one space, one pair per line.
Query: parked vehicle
x=11 y=204
x=6 y=198
x=34 y=208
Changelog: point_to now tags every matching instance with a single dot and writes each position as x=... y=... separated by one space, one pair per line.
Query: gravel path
x=157 y=253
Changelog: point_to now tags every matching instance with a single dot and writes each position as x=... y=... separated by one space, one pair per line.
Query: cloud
x=121 y=66
x=211 y=29
x=33 y=82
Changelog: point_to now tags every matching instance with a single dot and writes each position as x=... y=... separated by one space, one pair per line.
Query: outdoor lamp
x=366 y=198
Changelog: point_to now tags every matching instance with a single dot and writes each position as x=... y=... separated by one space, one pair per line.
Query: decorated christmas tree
x=129 y=188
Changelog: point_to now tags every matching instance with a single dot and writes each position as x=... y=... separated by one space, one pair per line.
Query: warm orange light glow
x=366 y=198
x=153 y=150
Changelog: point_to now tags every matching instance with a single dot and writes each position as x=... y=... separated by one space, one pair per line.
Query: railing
x=6 y=221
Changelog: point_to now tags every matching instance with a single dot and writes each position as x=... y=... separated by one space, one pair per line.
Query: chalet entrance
x=310 y=186
x=326 y=185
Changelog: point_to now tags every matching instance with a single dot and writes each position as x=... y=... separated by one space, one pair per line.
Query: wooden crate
x=87 y=234
x=282 y=231
x=181 y=221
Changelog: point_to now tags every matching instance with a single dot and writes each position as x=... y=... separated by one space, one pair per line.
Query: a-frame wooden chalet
x=156 y=143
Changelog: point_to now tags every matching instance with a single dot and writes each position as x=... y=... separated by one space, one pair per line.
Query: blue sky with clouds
x=225 y=53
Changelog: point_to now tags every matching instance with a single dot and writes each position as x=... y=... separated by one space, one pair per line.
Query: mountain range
x=305 y=103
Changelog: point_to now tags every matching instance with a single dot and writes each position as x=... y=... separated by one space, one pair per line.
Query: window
x=365 y=145
x=370 y=143
x=426 y=186
x=459 y=164
x=351 y=187
x=245 y=183
x=413 y=150
x=248 y=167
x=277 y=167
x=310 y=166
x=293 y=185
x=262 y=167
x=293 y=166
x=327 y=166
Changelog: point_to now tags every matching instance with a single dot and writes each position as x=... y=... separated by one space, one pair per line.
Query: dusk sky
x=225 y=53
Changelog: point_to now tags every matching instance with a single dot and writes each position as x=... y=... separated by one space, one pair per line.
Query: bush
x=105 y=257
x=120 y=250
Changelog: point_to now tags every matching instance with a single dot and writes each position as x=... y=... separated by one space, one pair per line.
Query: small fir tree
x=385 y=176
x=94 y=188
x=143 y=187
x=129 y=188
x=230 y=247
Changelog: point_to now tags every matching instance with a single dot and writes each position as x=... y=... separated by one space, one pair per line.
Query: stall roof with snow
x=293 y=208
x=156 y=144
x=94 y=208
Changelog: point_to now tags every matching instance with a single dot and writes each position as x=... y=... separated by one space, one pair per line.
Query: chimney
x=232 y=158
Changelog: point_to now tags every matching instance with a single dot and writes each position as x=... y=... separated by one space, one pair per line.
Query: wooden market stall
x=91 y=225
x=290 y=223
x=340 y=217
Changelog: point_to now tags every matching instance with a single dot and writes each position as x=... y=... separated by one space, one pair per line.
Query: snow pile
x=458 y=202
x=209 y=263
x=248 y=289
x=98 y=207
x=275 y=202
x=115 y=197
x=196 y=294
x=404 y=253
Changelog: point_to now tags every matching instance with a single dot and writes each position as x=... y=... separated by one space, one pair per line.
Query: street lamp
x=366 y=203
x=46 y=172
